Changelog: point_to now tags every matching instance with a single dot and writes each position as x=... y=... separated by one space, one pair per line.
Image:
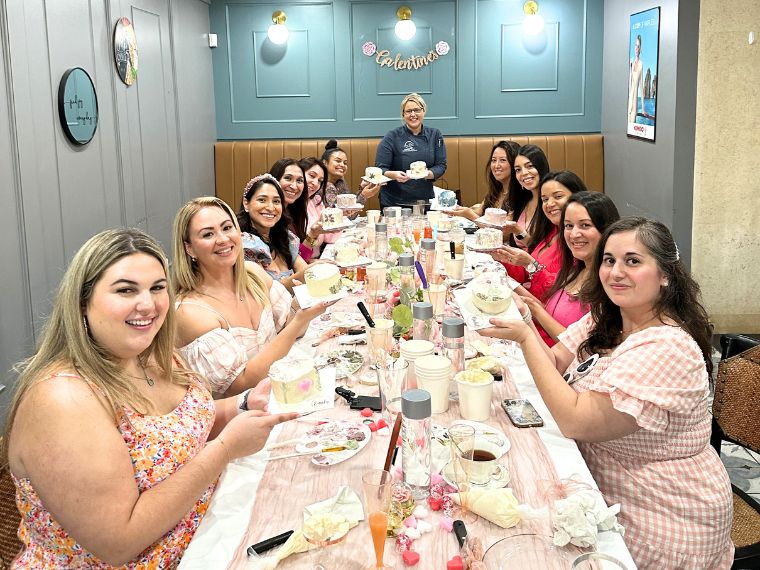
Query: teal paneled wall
x=493 y=80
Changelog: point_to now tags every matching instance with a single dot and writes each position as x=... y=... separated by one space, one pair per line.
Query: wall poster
x=643 y=56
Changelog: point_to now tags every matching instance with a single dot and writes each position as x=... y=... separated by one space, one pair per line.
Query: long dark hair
x=331 y=147
x=602 y=211
x=279 y=236
x=518 y=197
x=679 y=300
x=495 y=188
x=541 y=227
x=306 y=163
x=297 y=210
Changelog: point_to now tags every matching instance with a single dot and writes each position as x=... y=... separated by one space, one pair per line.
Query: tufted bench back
x=236 y=162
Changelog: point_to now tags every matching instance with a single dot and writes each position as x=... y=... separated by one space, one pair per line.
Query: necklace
x=148 y=379
x=625 y=333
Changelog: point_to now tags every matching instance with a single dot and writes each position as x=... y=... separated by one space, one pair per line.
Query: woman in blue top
x=411 y=142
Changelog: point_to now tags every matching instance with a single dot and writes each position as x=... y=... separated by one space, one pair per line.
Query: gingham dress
x=674 y=492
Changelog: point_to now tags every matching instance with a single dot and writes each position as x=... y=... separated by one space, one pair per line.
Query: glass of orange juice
x=377 y=485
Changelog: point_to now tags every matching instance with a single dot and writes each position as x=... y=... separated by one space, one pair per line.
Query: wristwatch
x=242 y=403
x=533 y=267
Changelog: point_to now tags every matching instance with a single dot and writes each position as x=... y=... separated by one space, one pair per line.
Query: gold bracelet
x=224 y=446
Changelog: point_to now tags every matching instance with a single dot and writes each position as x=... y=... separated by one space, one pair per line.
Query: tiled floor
x=743 y=468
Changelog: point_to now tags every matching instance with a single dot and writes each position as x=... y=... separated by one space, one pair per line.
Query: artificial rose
x=442 y=48
x=369 y=49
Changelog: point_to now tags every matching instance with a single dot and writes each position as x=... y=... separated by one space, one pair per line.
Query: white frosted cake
x=331 y=217
x=346 y=201
x=488 y=238
x=418 y=168
x=322 y=280
x=445 y=224
x=491 y=298
x=447 y=199
x=373 y=173
x=294 y=380
x=496 y=216
x=346 y=253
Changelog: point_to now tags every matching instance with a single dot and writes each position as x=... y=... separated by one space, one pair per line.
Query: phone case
x=522 y=413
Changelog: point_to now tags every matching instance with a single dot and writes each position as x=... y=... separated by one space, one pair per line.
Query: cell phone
x=522 y=413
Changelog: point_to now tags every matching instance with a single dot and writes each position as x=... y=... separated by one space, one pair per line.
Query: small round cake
x=346 y=253
x=322 y=280
x=491 y=298
x=346 y=200
x=373 y=173
x=496 y=216
x=294 y=380
x=445 y=224
x=331 y=217
x=418 y=168
x=488 y=238
x=447 y=199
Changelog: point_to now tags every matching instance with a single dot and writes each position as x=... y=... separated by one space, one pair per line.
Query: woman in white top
x=233 y=320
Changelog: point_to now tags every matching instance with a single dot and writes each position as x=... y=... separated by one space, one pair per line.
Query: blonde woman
x=106 y=437
x=233 y=319
x=411 y=142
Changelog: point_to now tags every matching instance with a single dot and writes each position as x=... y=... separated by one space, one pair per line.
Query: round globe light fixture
x=533 y=24
x=405 y=27
x=278 y=32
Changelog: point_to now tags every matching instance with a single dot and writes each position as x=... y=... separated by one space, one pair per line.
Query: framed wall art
x=125 y=51
x=643 y=57
x=78 y=106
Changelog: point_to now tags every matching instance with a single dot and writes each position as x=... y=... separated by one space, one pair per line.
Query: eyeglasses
x=415 y=111
x=581 y=370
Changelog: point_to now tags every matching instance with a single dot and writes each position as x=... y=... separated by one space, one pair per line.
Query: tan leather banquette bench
x=236 y=162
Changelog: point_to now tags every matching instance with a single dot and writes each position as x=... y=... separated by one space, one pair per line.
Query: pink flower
x=442 y=48
x=369 y=49
x=304 y=385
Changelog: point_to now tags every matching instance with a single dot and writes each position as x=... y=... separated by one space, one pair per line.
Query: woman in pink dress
x=584 y=218
x=113 y=444
x=316 y=182
x=538 y=269
x=635 y=398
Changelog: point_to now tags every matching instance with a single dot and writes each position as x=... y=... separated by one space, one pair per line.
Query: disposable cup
x=475 y=400
x=411 y=350
x=433 y=374
x=454 y=267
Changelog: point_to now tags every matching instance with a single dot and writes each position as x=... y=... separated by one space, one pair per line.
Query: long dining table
x=257 y=499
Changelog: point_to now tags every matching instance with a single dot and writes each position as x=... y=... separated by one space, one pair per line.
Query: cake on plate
x=331 y=217
x=445 y=224
x=346 y=201
x=294 y=380
x=346 y=253
x=496 y=216
x=418 y=169
x=488 y=238
x=490 y=297
x=373 y=174
x=447 y=199
x=322 y=280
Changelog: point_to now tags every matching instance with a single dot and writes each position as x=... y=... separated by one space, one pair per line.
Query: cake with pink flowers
x=294 y=380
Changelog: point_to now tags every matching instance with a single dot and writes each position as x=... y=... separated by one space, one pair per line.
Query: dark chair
x=736 y=418
x=10 y=545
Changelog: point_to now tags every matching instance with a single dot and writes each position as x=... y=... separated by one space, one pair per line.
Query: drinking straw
x=365 y=314
x=421 y=273
x=392 y=444
x=452 y=250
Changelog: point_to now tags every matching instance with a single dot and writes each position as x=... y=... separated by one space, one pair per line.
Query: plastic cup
x=379 y=339
x=435 y=294
x=454 y=267
x=475 y=400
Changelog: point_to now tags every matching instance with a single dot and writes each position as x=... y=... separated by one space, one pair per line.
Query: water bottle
x=422 y=327
x=416 y=428
x=407 y=283
x=381 y=242
x=453 y=349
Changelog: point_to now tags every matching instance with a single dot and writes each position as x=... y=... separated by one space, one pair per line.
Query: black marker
x=269 y=543
x=365 y=313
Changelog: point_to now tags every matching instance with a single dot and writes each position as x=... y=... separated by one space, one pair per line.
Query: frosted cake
x=331 y=217
x=322 y=280
x=294 y=380
x=496 y=216
x=488 y=238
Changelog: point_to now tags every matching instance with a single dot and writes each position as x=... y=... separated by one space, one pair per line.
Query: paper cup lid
x=416 y=404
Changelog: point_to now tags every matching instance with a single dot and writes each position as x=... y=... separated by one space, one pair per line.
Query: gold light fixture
x=533 y=23
x=405 y=27
x=278 y=32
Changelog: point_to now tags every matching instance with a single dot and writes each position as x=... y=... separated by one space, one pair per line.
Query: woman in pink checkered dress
x=634 y=396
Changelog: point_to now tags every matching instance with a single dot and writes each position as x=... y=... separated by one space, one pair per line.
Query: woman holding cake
x=315 y=172
x=233 y=319
x=538 y=269
x=113 y=444
x=498 y=174
x=635 y=397
x=530 y=166
x=336 y=161
x=410 y=143
x=585 y=217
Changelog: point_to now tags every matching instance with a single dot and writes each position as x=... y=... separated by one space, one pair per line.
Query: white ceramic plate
x=494 y=435
x=349 y=362
x=346 y=319
x=480 y=249
x=344 y=226
x=448 y=476
x=413 y=176
x=481 y=221
x=355 y=208
x=358 y=262
x=305 y=300
x=353 y=436
x=381 y=180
